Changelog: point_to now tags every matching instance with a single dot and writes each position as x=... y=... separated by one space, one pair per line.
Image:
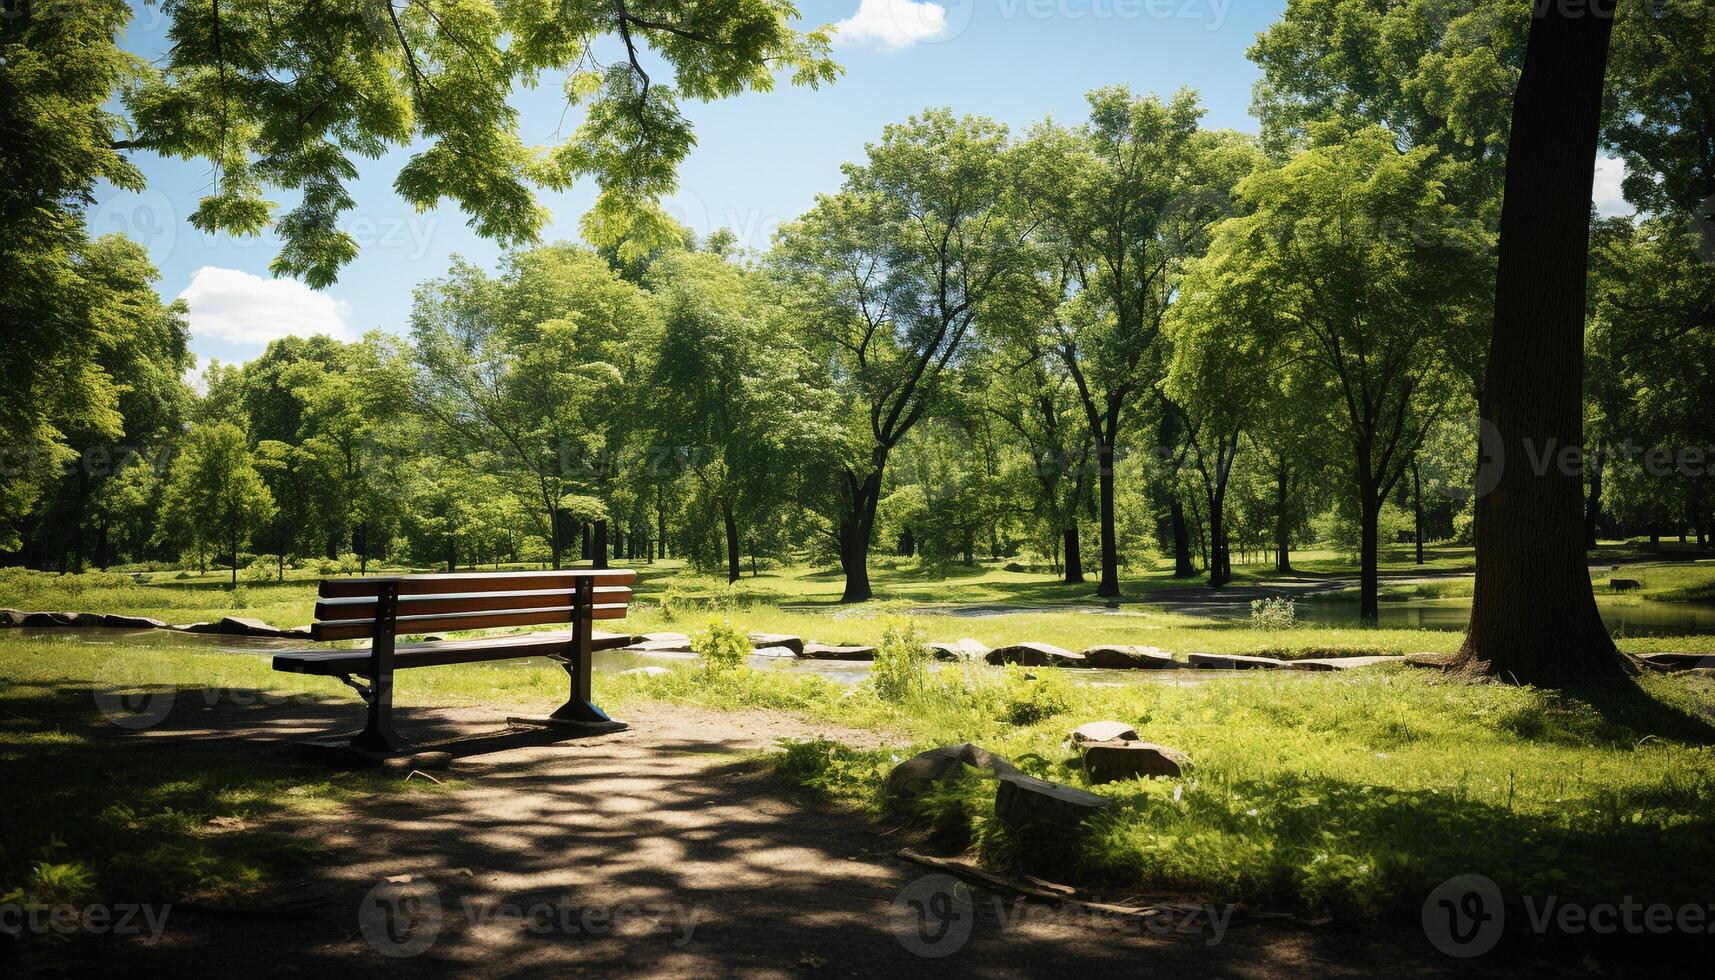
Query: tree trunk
x=1534 y=618
x=1074 y=559
x=1182 y=567
x=1282 y=529
x=732 y=571
x=855 y=530
x=554 y=534
x=1369 y=578
x=598 y=546
x=1110 y=584
x=585 y=548
x=1417 y=509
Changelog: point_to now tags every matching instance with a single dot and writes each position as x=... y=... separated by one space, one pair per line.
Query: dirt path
x=665 y=850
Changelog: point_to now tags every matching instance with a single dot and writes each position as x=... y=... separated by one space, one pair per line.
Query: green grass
x=93 y=817
x=1346 y=794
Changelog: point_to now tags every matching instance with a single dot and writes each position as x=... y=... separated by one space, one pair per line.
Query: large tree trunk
x=598 y=546
x=1110 y=584
x=1182 y=566
x=1417 y=509
x=732 y=570
x=1074 y=557
x=1369 y=578
x=856 y=527
x=1534 y=617
x=1282 y=528
x=554 y=534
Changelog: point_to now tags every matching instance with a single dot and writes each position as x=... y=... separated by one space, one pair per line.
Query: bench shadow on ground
x=673 y=818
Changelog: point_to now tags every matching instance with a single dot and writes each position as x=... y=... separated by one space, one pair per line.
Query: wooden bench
x=381 y=608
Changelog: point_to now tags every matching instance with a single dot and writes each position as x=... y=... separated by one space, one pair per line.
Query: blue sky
x=760 y=160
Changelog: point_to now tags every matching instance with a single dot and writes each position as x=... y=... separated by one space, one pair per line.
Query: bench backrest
x=351 y=608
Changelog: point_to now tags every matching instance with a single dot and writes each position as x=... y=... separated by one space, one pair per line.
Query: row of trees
x=1159 y=318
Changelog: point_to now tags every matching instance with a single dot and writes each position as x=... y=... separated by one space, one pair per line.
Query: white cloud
x=1610 y=199
x=239 y=308
x=893 y=24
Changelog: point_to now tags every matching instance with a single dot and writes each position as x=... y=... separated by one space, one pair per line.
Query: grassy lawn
x=1349 y=795
x=1015 y=606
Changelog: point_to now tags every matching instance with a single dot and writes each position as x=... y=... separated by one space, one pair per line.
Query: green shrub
x=722 y=646
x=1277 y=613
x=1030 y=698
x=902 y=663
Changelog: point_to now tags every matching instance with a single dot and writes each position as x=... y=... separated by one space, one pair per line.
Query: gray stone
x=1341 y=663
x=1111 y=657
x=11 y=617
x=1624 y=584
x=245 y=626
x=645 y=672
x=775 y=653
x=1226 y=661
x=662 y=646
x=1106 y=762
x=134 y=622
x=1104 y=731
x=965 y=649
x=297 y=632
x=762 y=640
x=825 y=651
x=1675 y=662
x=1038 y=810
x=667 y=635
x=52 y=619
x=1035 y=655
x=917 y=775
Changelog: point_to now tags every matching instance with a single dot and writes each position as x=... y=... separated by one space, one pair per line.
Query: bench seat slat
x=363 y=607
x=352 y=629
x=341 y=588
x=441 y=653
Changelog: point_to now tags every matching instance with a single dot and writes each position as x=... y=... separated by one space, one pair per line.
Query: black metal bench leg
x=377 y=736
x=579 y=712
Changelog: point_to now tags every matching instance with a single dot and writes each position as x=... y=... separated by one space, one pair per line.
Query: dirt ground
x=664 y=850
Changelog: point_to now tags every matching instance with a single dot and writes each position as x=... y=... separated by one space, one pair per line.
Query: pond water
x=1625 y=617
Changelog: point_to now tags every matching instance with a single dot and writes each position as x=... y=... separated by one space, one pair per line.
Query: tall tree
x=216 y=496
x=1127 y=199
x=1534 y=617
x=888 y=278
x=1352 y=252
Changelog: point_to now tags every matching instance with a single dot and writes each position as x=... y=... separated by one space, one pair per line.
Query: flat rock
x=1231 y=661
x=662 y=646
x=245 y=626
x=1104 y=731
x=1035 y=655
x=965 y=649
x=53 y=619
x=667 y=635
x=1624 y=584
x=1106 y=762
x=297 y=632
x=133 y=622
x=775 y=653
x=650 y=671
x=827 y=651
x=1129 y=658
x=1039 y=810
x=1341 y=663
x=918 y=774
x=11 y=617
x=764 y=640
x=1674 y=662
